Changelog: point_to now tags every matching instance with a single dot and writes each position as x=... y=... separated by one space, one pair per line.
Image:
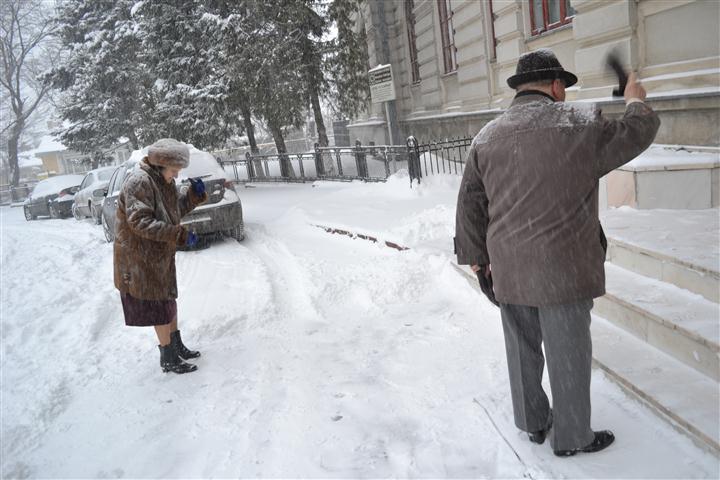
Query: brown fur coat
x=148 y=232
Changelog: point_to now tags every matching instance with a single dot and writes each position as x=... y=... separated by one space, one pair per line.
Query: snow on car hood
x=55 y=184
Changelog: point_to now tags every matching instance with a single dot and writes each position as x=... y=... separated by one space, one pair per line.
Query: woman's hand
x=197 y=185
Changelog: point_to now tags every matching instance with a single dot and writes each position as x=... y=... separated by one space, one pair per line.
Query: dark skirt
x=147 y=313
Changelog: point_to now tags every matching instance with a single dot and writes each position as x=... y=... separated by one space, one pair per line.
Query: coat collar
x=528 y=96
x=153 y=172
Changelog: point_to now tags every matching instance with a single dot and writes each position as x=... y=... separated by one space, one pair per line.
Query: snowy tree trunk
x=286 y=168
x=133 y=140
x=250 y=132
x=13 y=142
x=328 y=162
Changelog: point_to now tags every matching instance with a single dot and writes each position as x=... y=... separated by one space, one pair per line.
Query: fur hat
x=540 y=65
x=168 y=152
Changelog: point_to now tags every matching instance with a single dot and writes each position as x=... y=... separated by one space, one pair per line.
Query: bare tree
x=25 y=30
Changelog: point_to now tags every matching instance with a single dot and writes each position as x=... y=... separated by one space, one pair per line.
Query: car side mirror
x=100 y=192
x=74 y=190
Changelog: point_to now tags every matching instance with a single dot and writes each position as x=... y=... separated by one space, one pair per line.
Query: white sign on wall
x=382 y=88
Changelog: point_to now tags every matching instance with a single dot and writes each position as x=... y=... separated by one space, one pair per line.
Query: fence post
x=413 y=159
x=360 y=160
x=300 y=166
x=338 y=159
x=391 y=151
x=249 y=166
x=319 y=165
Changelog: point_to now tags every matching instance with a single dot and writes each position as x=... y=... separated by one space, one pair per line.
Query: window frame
x=547 y=26
x=412 y=41
x=447 y=35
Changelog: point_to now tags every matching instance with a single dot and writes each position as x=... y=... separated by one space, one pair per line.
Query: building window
x=448 y=36
x=548 y=14
x=412 y=40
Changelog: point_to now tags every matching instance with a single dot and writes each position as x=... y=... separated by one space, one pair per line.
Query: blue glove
x=192 y=239
x=198 y=186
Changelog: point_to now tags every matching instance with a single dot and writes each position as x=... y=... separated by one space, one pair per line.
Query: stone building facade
x=451 y=59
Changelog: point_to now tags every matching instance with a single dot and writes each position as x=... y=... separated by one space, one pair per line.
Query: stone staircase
x=657 y=330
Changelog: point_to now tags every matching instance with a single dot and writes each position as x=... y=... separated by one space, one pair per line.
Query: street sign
x=382 y=88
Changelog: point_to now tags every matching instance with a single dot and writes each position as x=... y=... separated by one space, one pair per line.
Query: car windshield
x=55 y=184
x=104 y=175
x=202 y=163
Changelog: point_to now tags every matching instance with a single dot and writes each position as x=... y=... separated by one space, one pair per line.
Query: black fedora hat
x=540 y=65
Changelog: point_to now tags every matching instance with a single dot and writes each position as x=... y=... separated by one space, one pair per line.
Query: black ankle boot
x=539 y=435
x=602 y=440
x=170 y=362
x=182 y=351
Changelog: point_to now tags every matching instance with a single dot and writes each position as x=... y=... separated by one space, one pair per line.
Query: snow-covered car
x=221 y=214
x=89 y=199
x=52 y=197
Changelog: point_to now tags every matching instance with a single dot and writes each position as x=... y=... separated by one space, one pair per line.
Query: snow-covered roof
x=28 y=159
x=49 y=144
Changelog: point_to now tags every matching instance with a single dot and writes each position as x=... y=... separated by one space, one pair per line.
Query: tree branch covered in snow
x=202 y=71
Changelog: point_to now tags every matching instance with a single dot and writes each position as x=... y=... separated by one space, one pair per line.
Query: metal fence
x=362 y=162
x=10 y=194
x=446 y=157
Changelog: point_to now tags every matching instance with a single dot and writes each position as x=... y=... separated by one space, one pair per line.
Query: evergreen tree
x=103 y=81
x=193 y=94
x=348 y=62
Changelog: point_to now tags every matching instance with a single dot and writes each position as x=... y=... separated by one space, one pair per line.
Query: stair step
x=678 y=322
x=689 y=400
x=688 y=276
x=678 y=247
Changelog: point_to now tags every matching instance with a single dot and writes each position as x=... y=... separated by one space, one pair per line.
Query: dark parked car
x=52 y=197
x=222 y=214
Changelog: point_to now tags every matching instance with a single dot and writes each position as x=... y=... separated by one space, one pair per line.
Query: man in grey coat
x=527 y=222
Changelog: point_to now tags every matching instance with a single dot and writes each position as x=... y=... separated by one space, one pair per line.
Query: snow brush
x=613 y=63
x=187 y=180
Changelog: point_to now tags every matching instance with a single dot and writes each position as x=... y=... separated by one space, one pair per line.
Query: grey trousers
x=565 y=331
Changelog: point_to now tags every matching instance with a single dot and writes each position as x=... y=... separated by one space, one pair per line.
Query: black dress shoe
x=602 y=440
x=540 y=435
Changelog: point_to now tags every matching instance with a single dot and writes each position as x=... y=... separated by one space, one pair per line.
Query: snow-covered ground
x=323 y=356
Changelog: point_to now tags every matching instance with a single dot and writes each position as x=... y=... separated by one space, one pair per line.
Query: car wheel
x=238 y=233
x=53 y=211
x=109 y=235
x=96 y=214
x=76 y=213
x=28 y=216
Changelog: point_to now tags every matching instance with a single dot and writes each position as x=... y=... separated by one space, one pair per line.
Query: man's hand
x=633 y=89
x=484 y=275
x=197 y=185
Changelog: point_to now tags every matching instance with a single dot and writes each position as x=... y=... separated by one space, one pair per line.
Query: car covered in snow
x=89 y=199
x=52 y=197
x=220 y=215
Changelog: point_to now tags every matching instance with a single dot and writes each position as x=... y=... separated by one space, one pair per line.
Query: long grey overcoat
x=148 y=232
x=528 y=201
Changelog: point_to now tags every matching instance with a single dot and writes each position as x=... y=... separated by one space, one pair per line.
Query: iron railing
x=362 y=162
x=372 y=163
x=447 y=157
x=10 y=194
